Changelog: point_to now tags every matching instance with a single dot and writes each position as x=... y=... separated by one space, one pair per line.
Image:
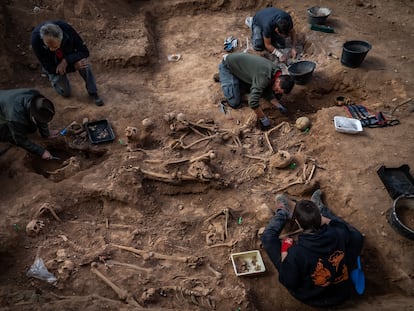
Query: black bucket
x=401 y=216
x=302 y=71
x=354 y=52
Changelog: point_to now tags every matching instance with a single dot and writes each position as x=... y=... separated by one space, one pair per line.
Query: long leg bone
x=192 y=261
x=127 y=265
x=122 y=293
x=311 y=174
x=226 y=213
x=205 y=156
x=197 y=141
x=170 y=178
x=212 y=128
x=228 y=244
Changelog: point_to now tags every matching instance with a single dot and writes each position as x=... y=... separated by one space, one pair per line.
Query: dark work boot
x=283 y=204
x=98 y=101
x=317 y=198
x=216 y=77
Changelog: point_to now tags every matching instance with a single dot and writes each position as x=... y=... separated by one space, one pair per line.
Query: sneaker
x=283 y=204
x=317 y=198
x=98 y=101
x=216 y=77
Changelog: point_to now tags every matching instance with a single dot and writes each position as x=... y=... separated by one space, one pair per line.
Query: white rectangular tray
x=248 y=263
x=347 y=125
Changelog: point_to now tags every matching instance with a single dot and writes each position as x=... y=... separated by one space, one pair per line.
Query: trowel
x=358 y=278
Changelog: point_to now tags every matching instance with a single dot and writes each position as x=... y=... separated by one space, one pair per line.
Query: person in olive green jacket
x=24 y=111
x=261 y=78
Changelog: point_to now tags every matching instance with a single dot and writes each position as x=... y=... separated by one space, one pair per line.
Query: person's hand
x=53 y=133
x=283 y=58
x=294 y=53
x=46 y=155
x=286 y=244
x=81 y=64
x=281 y=108
x=61 y=68
x=264 y=123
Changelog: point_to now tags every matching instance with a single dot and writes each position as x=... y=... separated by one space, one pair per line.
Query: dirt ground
x=156 y=192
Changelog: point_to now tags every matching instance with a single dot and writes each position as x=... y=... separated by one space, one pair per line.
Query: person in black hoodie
x=316 y=268
x=60 y=50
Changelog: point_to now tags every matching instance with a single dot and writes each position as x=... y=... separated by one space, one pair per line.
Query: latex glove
x=46 y=155
x=282 y=57
x=53 y=134
x=264 y=123
x=286 y=244
x=281 y=108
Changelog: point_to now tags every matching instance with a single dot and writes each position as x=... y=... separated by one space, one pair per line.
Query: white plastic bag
x=39 y=271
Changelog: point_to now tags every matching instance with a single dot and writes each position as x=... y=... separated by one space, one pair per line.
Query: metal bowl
x=302 y=71
x=318 y=15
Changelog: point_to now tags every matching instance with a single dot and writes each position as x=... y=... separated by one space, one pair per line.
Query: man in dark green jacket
x=24 y=111
x=261 y=78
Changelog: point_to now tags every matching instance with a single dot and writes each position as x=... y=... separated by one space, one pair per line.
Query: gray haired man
x=61 y=50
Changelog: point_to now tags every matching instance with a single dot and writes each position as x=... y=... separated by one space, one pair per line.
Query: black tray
x=397 y=181
x=100 y=131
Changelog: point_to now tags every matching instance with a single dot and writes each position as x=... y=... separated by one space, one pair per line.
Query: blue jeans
x=258 y=43
x=230 y=85
x=62 y=86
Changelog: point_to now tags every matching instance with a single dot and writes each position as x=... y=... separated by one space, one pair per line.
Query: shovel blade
x=358 y=278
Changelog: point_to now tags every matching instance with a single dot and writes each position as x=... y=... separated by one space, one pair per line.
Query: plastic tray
x=397 y=181
x=100 y=131
x=248 y=263
x=347 y=125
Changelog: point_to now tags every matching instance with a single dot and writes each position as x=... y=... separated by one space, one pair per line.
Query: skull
x=33 y=227
x=130 y=131
x=149 y=295
x=66 y=269
x=281 y=159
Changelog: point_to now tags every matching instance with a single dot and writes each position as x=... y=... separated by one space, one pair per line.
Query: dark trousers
x=62 y=86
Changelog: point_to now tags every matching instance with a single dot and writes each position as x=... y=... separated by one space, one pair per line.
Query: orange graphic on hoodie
x=321 y=275
x=336 y=258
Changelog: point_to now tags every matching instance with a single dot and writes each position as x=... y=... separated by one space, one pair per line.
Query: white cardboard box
x=248 y=263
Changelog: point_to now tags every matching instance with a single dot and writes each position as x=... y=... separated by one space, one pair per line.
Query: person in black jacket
x=316 y=268
x=24 y=111
x=270 y=28
x=60 y=50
